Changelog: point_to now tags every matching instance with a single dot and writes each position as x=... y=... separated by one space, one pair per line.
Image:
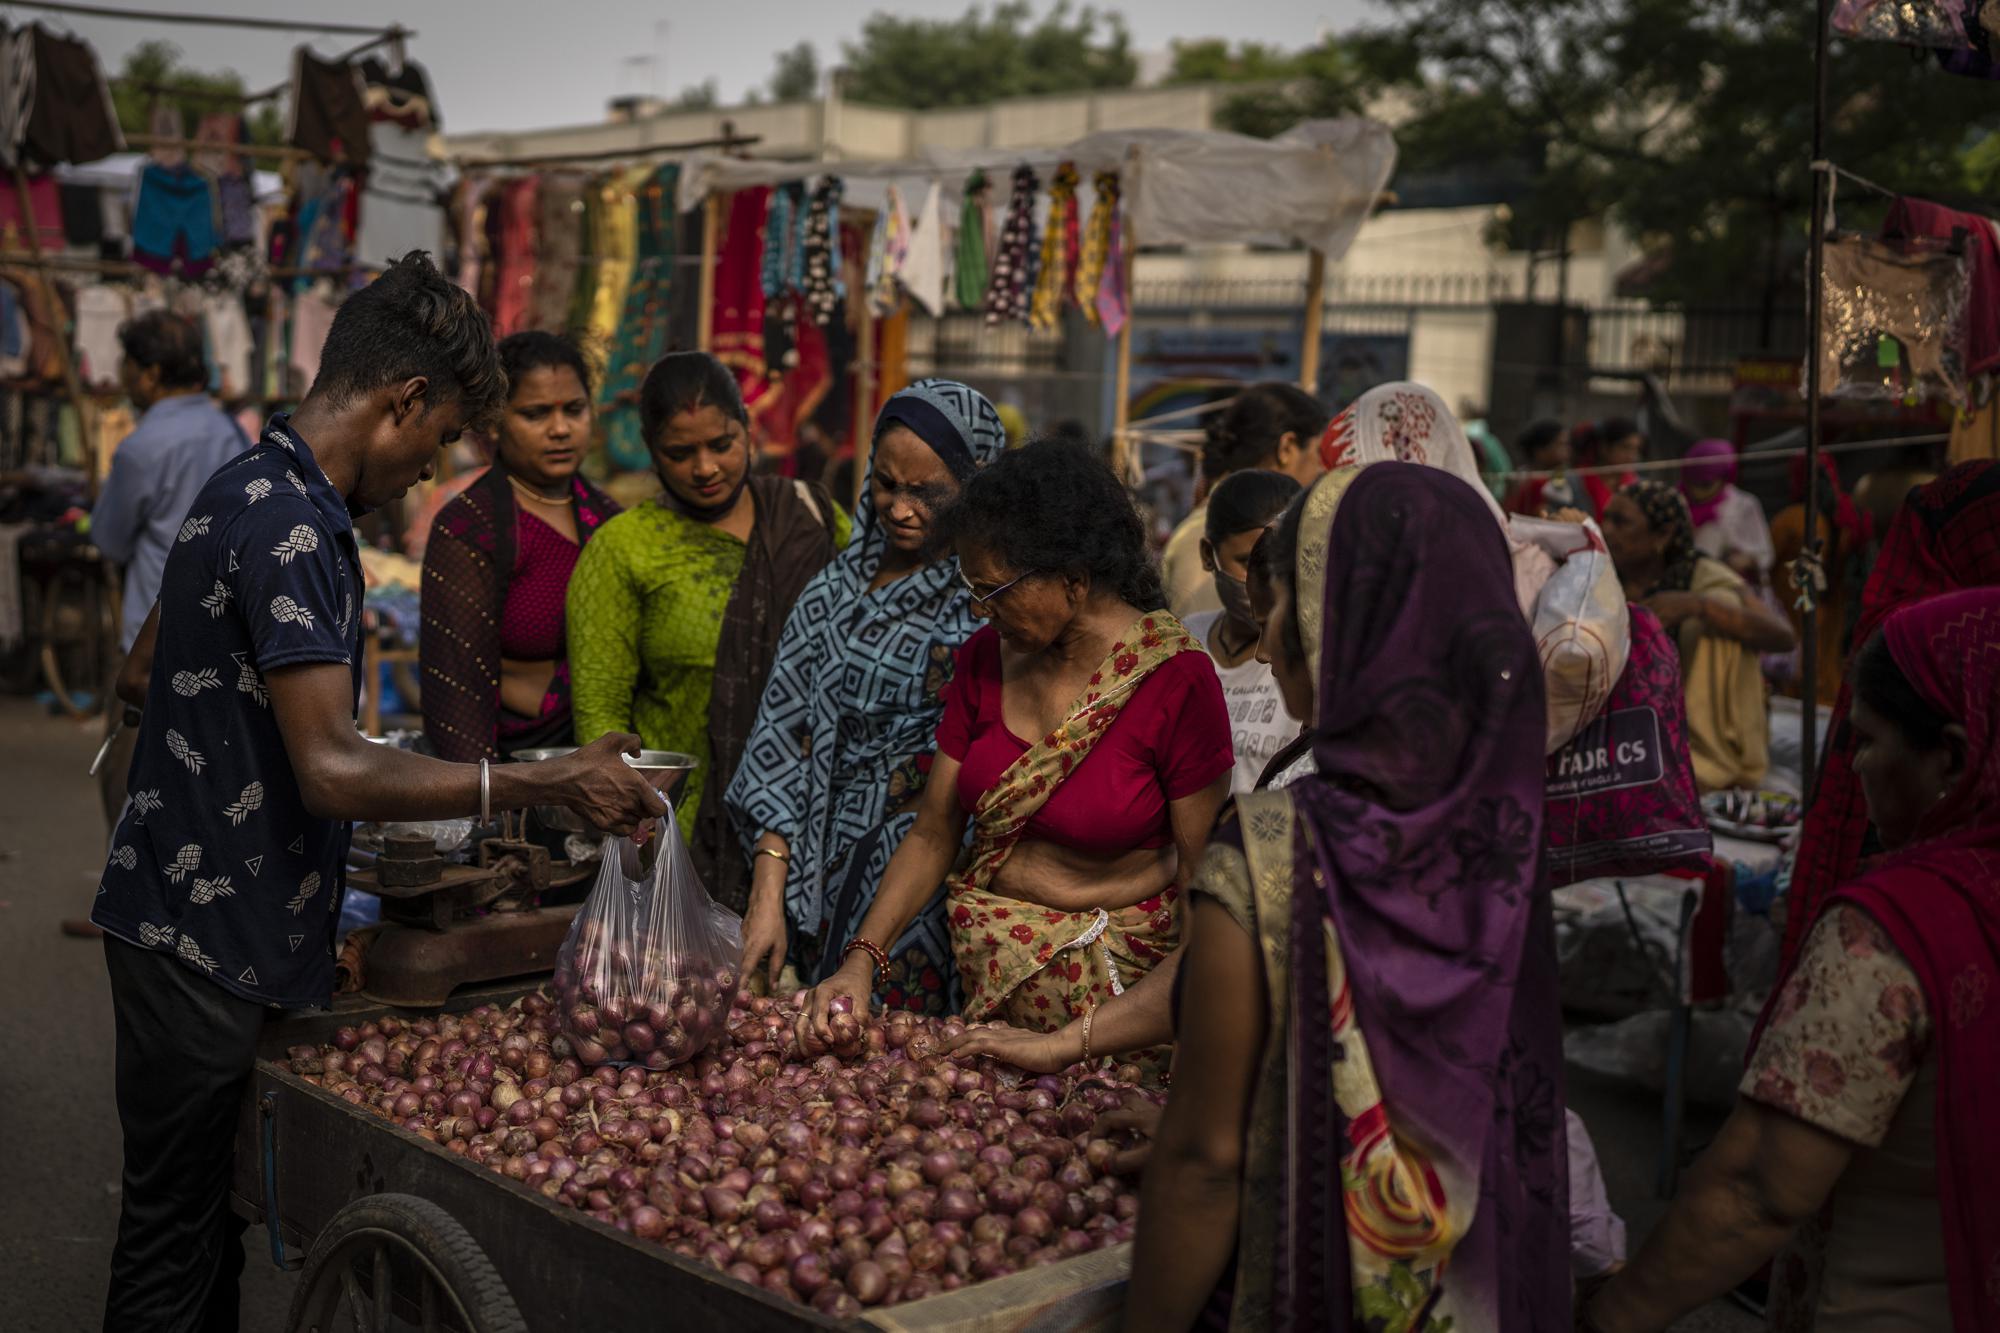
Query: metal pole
x=1815 y=315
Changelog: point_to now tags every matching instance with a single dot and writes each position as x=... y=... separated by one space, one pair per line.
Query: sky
x=518 y=64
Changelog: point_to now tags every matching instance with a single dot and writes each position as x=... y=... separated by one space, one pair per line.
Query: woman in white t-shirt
x=1240 y=508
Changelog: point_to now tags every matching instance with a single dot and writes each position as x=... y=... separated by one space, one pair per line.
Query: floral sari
x=1033 y=966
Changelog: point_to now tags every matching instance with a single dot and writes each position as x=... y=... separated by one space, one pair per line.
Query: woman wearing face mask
x=1861 y=1151
x=838 y=760
x=676 y=607
x=498 y=566
x=1239 y=512
x=1084 y=740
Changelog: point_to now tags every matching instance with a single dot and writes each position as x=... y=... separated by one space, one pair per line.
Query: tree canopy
x=154 y=70
x=796 y=77
x=986 y=55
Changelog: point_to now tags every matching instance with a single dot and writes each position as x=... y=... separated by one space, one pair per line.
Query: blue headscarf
x=855 y=696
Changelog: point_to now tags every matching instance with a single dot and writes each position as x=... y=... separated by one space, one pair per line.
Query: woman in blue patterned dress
x=828 y=784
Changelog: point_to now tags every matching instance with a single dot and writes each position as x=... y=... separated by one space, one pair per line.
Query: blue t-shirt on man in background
x=155 y=475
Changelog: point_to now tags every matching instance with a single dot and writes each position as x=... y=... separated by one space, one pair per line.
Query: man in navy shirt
x=223 y=884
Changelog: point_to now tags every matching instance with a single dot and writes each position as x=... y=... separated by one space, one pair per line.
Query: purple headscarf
x=1421 y=843
x=1705 y=464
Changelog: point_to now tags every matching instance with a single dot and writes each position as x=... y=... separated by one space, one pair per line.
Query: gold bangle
x=1089 y=1014
x=773 y=853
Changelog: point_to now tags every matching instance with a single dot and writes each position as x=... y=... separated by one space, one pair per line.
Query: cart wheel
x=394 y=1261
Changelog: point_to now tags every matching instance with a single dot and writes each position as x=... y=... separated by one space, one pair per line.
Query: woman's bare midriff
x=1067 y=880
x=523 y=685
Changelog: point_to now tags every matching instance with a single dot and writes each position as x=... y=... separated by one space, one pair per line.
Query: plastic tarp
x=1314 y=185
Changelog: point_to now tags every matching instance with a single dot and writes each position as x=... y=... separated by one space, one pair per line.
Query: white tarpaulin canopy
x=1313 y=185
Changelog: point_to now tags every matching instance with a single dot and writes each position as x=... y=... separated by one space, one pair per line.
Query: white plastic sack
x=1579 y=623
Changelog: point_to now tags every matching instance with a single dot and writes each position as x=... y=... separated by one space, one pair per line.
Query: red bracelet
x=874 y=951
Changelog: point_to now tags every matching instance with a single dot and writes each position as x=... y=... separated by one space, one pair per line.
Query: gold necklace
x=536 y=495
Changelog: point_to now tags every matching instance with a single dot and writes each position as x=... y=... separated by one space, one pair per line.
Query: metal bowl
x=666 y=769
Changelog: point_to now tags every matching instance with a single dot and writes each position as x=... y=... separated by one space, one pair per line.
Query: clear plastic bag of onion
x=841 y=1181
x=649 y=969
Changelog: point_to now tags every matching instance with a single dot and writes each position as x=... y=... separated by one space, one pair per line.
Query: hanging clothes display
x=468 y=212
x=887 y=252
x=1097 y=244
x=558 y=250
x=100 y=310
x=969 y=275
x=510 y=228
x=1909 y=219
x=226 y=330
x=61 y=104
x=401 y=208
x=45 y=215
x=1055 y=283
x=641 y=337
x=1112 y=301
x=329 y=115
x=823 y=287
x=1007 y=293
x=401 y=95
x=923 y=264
x=737 y=334
x=173 y=221
x=1895 y=316
x=615 y=241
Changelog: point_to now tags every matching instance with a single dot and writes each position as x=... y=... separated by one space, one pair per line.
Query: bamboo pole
x=711 y=229
x=205 y=20
x=71 y=382
x=1315 y=319
x=1123 y=459
x=1822 y=183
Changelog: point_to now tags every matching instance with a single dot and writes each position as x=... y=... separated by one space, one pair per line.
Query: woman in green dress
x=676 y=605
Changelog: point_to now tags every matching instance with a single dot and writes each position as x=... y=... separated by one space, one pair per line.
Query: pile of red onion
x=647 y=1010
x=869 y=1172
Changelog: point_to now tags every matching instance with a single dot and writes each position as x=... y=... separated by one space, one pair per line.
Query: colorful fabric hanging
x=736 y=336
x=970 y=276
x=820 y=255
x=923 y=266
x=1007 y=292
x=887 y=252
x=1111 y=301
x=784 y=241
x=1097 y=243
x=641 y=338
x=1054 y=285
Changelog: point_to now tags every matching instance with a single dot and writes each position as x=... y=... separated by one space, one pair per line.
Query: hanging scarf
x=923 y=265
x=821 y=256
x=1405 y=1152
x=1097 y=244
x=1113 y=302
x=738 y=332
x=783 y=262
x=969 y=275
x=1007 y=293
x=847 y=723
x=1055 y=284
x=886 y=254
x=1945 y=537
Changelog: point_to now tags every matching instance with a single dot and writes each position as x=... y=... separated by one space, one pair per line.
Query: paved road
x=59 y=1201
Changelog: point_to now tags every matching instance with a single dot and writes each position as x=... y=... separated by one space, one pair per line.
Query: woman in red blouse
x=498 y=563
x=1083 y=837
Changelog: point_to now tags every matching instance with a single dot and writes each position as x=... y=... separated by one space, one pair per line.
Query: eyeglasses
x=988 y=598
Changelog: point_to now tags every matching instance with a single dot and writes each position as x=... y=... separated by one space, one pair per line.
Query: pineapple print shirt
x=217 y=861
